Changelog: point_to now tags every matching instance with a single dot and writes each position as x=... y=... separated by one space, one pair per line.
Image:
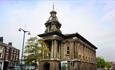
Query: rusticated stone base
x=49 y=65
x=72 y=65
x=79 y=65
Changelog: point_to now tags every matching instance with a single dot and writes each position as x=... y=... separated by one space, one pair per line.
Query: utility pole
x=24 y=31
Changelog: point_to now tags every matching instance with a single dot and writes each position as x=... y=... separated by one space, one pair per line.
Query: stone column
x=55 y=49
x=59 y=53
x=76 y=50
x=52 y=50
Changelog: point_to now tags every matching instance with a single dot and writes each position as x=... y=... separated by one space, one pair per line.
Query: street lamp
x=20 y=29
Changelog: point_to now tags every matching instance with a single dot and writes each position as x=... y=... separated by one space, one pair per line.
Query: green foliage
x=35 y=50
x=101 y=63
x=108 y=65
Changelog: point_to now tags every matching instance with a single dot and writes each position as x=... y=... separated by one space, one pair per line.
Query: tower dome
x=52 y=24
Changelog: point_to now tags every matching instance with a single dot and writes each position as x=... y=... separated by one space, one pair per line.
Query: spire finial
x=53 y=6
x=53 y=11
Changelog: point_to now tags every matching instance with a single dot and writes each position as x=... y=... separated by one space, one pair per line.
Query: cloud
x=79 y=18
x=110 y=17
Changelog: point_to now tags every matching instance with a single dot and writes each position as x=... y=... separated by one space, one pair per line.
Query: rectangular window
x=67 y=48
x=67 y=52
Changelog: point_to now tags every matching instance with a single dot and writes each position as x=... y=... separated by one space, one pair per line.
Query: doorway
x=46 y=66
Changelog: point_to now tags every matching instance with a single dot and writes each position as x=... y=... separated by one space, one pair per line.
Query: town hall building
x=66 y=51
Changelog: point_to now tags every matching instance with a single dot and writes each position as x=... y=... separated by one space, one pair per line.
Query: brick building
x=9 y=55
x=66 y=51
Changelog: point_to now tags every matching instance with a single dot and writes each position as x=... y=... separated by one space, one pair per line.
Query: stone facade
x=66 y=51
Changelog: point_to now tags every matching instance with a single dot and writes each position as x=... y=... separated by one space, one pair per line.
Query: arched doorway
x=46 y=66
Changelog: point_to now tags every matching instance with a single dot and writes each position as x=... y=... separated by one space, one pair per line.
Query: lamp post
x=20 y=29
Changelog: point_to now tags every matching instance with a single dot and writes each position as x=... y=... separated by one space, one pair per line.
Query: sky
x=93 y=19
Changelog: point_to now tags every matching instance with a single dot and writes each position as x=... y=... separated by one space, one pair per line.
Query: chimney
x=1 y=39
x=10 y=43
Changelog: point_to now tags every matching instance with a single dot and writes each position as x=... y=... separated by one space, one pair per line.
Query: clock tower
x=66 y=51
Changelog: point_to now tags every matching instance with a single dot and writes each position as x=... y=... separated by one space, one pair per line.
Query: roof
x=52 y=33
x=3 y=44
x=7 y=45
x=66 y=36
x=80 y=37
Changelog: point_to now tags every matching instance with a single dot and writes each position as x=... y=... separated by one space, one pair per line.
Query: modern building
x=66 y=51
x=9 y=55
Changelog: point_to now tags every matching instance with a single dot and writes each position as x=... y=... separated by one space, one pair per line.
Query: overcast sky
x=93 y=19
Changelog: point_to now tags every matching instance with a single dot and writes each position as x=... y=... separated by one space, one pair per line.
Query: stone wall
x=49 y=65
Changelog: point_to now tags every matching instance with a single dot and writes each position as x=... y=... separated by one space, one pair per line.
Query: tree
x=35 y=50
x=108 y=65
x=100 y=62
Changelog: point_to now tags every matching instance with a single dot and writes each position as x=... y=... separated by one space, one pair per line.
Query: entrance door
x=5 y=65
x=46 y=66
x=59 y=65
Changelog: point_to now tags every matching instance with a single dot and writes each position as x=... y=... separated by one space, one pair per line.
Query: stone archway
x=46 y=66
